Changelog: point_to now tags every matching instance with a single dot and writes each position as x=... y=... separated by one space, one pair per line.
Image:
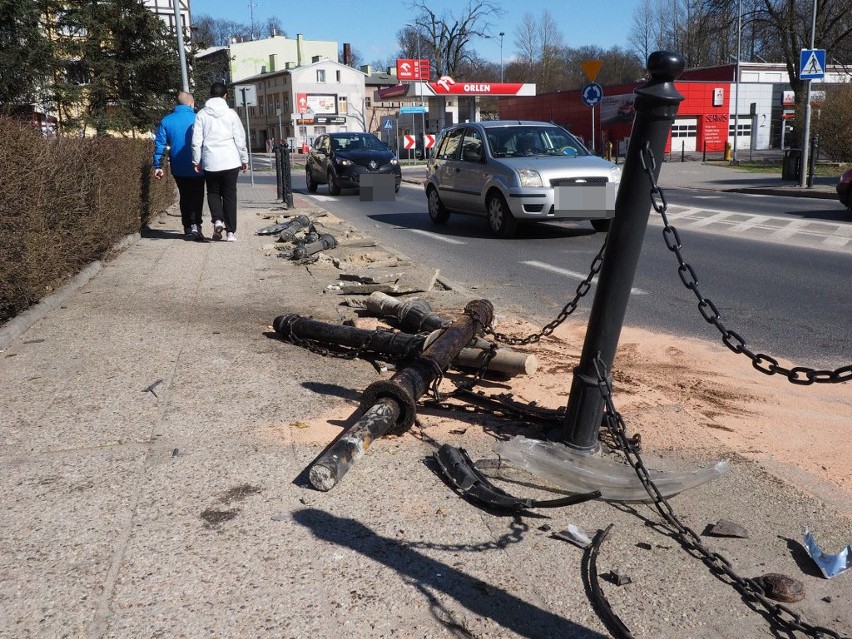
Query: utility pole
x=737 y=85
x=181 y=51
x=248 y=134
x=806 y=130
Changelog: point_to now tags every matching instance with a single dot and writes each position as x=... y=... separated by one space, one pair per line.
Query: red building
x=703 y=116
x=706 y=119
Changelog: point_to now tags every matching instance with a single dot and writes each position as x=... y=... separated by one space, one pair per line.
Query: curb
x=24 y=320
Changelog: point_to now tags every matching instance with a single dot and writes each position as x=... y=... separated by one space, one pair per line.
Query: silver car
x=514 y=171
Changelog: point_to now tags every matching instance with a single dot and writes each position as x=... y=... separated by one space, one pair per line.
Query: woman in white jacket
x=219 y=149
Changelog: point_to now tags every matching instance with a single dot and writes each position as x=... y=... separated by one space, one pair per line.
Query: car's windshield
x=357 y=142
x=526 y=140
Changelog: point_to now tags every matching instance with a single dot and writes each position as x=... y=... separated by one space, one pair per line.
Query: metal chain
x=784 y=616
x=764 y=363
x=582 y=288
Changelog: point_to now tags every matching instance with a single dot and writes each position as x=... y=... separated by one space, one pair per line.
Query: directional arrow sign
x=592 y=94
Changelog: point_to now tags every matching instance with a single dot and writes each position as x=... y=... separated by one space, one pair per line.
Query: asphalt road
x=788 y=301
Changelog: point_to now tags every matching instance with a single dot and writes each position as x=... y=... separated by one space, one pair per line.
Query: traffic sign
x=592 y=94
x=408 y=141
x=429 y=140
x=591 y=68
x=388 y=124
x=246 y=94
x=412 y=109
x=812 y=64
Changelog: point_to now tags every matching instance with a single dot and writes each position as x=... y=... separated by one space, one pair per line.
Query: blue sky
x=370 y=26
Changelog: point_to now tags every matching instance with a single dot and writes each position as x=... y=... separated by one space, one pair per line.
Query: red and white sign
x=407 y=69
x=408 y=141
x=428 y=140
x=447 y=86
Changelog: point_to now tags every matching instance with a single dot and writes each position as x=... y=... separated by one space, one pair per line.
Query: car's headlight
x=616 y=174
x=343 y=161
x=529 y=177
x=394 y=161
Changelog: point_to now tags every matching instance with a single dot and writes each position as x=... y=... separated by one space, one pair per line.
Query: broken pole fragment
x=390 y=405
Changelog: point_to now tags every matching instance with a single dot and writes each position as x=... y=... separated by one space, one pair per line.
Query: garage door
x=684 y=134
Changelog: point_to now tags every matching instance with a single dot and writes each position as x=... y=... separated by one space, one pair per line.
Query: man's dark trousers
x=191 y=191
x=222 y=196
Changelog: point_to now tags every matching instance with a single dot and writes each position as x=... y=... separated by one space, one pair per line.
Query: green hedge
x=64 y=203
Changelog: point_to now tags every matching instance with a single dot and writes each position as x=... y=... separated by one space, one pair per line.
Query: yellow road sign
x=591 y=68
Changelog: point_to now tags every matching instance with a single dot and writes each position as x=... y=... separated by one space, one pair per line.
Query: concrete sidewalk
x=155 y=440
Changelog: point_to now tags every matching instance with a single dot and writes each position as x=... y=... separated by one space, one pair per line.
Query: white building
x=299 y=103
x=254 y=57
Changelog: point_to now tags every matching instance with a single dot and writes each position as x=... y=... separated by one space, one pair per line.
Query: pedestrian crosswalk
x=820 y=234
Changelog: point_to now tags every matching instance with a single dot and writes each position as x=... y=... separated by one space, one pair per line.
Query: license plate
x=592 y=197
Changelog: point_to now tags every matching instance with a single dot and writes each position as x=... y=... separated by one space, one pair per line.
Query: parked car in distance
x=513 y=171
x=844 y=190
x=340 y=159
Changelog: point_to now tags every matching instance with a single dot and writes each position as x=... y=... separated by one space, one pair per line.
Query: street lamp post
x=737 y=85
x=501 y=55
x=806 y=128
x=181 y=51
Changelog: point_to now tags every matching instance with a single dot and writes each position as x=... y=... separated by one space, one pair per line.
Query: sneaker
x=231 y=237
x=218 y=227
x=198 y=236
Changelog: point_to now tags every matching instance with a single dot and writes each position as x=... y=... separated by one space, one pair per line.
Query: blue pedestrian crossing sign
x=812 y=64
x=592 y=94
x=388 y=125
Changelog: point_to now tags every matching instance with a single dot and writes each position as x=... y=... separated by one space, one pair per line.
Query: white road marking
x=573 y=274
x=435 y=236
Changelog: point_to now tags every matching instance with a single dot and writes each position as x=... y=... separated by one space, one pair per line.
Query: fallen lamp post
x=389 y=406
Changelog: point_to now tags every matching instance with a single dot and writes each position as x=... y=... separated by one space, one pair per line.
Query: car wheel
x=309 y=180
x=437 y=212
x=333 y=184
x=601 y=226
x=500 y=218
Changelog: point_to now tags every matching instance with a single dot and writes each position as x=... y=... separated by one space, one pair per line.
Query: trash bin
x=792 y=166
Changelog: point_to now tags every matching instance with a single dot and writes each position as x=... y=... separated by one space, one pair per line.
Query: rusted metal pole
x=391 y=405
x=656 y=107
x=296 y=327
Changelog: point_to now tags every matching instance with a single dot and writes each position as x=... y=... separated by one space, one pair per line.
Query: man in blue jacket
x=175 y=131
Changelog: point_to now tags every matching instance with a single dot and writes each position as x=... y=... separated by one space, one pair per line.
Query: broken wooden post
x=391 y=405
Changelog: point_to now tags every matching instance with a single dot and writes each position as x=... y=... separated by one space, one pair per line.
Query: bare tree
x=446 y=38
x=272 y=27
x=643 y=34
x=539 y=43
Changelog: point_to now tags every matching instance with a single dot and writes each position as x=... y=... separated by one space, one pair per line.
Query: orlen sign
x=447 y=86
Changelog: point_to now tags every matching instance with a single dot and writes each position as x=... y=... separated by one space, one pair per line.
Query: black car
x=340 y=159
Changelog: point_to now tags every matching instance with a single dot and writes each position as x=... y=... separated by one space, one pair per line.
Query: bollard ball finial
x=665 y=66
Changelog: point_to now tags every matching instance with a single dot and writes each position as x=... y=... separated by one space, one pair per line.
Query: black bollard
x=287 y=178
x=279 y=176
x=656 y=107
